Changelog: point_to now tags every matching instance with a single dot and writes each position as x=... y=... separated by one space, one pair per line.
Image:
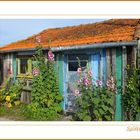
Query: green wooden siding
x=118 y=115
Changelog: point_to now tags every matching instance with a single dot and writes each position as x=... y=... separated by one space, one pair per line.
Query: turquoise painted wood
x=60 y=74
x=65 y=81
x=14 y=67
x=95 y=58
x=118 y=115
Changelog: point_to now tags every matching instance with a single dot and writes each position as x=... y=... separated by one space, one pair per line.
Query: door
x=72 y=77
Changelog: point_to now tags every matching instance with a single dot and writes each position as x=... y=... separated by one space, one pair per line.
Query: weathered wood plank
x=118 y=115
x=108 y=63
x=104 y=66
x=95 y=58
x=124 y=63
x=65 y=81
x=114 y=62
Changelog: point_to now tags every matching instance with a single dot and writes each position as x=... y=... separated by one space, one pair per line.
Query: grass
x=13 y=113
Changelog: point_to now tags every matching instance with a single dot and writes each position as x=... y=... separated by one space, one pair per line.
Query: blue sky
x=12 y=30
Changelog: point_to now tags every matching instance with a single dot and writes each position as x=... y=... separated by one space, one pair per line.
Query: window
x=73 y=61
x=23 y=65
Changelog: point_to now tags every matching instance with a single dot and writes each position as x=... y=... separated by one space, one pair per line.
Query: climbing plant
x=131 y=98
x=46 y=98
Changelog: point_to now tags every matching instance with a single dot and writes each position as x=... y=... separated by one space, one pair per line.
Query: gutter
x=94 y=46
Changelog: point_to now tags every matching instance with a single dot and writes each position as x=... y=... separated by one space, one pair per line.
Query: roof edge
x=81 y=47
x=94 y=46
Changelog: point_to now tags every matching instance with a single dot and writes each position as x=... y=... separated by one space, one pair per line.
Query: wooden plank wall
x=60 y=75
x=7 y=63
x=95 y=60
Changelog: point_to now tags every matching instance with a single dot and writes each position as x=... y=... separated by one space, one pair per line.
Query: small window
x=73 y=61
x=23 y=65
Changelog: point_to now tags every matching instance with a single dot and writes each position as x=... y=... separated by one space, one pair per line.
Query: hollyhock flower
x=107 y=83
x=76 y=92
x=36 y=72
x=99 y=82
x=50 y=56
x=38 y=39
x=112 y=79
x=79 y=70
x=90 y=73
x=80 y=81
x=87 y=82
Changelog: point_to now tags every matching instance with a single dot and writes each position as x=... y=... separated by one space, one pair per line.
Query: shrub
x=131 y=98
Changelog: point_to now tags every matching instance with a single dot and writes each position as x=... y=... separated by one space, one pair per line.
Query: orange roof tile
x=108 y=31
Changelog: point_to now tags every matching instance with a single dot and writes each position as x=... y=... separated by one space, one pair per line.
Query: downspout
x=94 y=46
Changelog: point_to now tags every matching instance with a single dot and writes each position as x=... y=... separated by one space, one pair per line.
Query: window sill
x=29 y=76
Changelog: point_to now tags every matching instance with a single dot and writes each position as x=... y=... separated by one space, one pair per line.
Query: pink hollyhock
x=79 y=70
x=87 y=82
x=80 y=81
x=38 y=39
x=90 y=73
x=107 y=83
x=99 y=82
x=36 y=72
x=112 y=79
x=50 y=56
x=76 y=92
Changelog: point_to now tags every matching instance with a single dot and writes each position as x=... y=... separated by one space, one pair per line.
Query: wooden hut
x=108 y=47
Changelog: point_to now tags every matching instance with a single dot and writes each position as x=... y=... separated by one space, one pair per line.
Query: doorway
x=72 y=77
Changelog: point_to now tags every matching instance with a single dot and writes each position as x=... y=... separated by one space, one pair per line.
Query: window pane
x=23 y=65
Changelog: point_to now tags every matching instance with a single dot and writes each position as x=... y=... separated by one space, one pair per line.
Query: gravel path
x=5 y=119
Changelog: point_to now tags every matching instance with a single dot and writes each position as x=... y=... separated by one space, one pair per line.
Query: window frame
x=29 y=66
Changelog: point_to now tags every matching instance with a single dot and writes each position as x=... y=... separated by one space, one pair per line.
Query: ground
x=14 y=114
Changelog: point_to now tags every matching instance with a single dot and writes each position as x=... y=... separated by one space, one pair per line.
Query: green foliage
x=46 y=98
x=10 y=93
x=131 y=98
x=95 y=101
